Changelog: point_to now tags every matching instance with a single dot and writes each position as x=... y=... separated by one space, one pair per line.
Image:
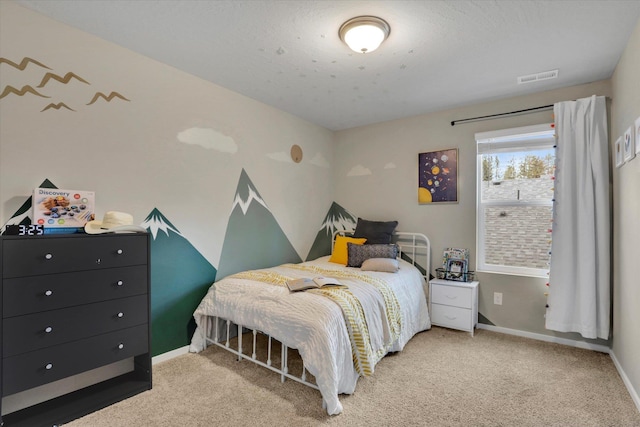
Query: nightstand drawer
x=452 y=317
x=451 y=295
x=53 y=363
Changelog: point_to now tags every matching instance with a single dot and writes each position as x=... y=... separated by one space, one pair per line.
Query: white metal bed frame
x=413 y=245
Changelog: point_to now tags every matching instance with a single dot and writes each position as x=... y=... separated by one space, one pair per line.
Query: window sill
x=513 y=273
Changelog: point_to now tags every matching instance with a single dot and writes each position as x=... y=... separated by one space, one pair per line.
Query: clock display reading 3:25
x=24 y=230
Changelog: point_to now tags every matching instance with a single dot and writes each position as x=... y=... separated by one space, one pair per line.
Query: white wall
x=626 y=218
x=129 y=152
x=391 y=193
x=131 y=155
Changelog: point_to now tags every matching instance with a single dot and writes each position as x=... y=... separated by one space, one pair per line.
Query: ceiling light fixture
x=363 y=34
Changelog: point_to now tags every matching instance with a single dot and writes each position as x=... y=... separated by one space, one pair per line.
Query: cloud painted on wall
x=208 y=138
x=319 y=160
x=280 y=156
x=359 y=170
x=390 y=166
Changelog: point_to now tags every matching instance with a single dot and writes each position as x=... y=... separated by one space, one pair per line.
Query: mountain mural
x=180 y=277
x=338 y=218
x=253 y=238
x=21 y=216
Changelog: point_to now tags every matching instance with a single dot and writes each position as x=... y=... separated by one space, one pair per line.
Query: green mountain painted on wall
x=22 y=215
x=338 y=218
x=180 y=277
x=253 y=238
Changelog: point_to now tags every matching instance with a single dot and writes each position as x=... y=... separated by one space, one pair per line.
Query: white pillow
x=388 y=265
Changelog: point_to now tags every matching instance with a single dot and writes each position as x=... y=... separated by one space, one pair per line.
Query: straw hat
x=113 y=222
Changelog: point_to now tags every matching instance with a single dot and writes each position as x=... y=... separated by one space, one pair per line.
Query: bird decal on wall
x=46 y=80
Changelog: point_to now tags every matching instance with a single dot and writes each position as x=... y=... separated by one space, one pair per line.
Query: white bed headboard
x=415 y=248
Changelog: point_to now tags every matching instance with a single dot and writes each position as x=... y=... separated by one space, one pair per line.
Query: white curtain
x=579 y=277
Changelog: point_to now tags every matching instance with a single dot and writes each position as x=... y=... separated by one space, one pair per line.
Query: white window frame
x=507 y=140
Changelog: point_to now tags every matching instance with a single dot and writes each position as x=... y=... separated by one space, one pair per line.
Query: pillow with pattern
x=357 y=254
x=339 y=254
x=387 y=265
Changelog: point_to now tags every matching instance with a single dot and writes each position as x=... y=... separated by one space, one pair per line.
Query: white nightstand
x=454 y=304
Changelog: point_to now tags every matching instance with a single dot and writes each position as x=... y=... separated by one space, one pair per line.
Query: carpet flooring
x=441 y=378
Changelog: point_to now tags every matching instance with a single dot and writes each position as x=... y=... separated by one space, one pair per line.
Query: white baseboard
x=572 y=343
x=625 y=379
x=170 y=355
x=547 y=338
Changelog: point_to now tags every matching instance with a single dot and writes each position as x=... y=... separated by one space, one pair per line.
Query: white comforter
x=314 y=324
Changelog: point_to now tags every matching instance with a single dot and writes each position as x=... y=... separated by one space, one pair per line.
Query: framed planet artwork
x=438 y=177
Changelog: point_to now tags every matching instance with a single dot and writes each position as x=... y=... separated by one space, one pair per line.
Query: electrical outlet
x=497 y=298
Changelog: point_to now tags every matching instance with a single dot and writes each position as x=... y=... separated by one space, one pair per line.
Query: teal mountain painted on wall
x=22 y=215
x=253 y=238
x=338 y=218
x=180 y=277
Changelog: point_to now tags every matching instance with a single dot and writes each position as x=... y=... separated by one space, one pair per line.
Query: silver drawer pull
x=121 y=314
x=48 y=256
x=48 y=329
x=451 y=317
x=120 y=283
x=49 y=366
x=48 y=292
x=119 y=251
x=452 y=296
x=120 y=346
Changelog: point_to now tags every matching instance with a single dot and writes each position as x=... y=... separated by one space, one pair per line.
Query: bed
x=338 y=337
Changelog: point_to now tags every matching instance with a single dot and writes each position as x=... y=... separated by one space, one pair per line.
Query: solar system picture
x=438 y=176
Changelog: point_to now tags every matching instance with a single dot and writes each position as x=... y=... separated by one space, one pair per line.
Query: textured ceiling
x=439 y=55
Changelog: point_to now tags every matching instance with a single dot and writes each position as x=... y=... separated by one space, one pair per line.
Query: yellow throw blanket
x=364 y=357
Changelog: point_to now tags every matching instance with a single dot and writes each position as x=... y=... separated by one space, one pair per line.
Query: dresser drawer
x=53 y=363
x=46 y=255
x=452 y=317
x=39 y=293
x=451 y=295
x=35 y=331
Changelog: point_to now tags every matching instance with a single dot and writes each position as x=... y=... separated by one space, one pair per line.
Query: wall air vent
x=545 y=75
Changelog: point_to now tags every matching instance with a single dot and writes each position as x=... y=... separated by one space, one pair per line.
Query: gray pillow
x=376 y=232
x=387 y=265
x=357 y=254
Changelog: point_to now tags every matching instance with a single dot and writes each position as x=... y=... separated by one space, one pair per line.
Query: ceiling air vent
x=545 y=75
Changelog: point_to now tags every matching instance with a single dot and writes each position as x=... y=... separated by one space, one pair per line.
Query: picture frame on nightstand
x=456 y=269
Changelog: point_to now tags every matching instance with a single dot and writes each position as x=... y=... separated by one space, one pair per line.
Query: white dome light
x=363 y=34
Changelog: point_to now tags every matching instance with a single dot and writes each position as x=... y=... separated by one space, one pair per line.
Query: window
x=515 y=200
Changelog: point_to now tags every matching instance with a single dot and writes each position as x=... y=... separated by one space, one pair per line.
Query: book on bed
x=312 y=283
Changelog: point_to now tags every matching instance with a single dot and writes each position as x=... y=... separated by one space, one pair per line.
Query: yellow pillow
x=340 y=254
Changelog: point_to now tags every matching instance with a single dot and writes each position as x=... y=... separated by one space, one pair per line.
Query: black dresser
x=72 y=303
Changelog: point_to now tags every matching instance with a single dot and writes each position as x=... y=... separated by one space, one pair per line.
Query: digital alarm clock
x=24 y=230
